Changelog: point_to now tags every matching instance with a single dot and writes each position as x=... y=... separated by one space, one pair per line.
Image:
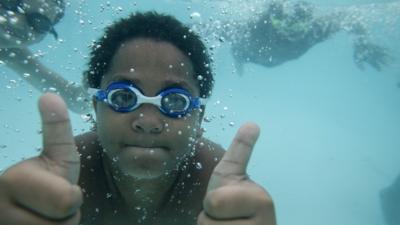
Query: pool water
x=330 y=132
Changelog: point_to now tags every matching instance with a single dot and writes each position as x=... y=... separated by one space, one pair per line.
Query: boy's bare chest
x=169 y=217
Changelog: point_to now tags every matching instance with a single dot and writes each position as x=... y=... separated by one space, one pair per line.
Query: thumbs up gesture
x=42 y=190
x=232 y=198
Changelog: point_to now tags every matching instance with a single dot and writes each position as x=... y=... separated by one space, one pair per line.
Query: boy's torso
x=183 y=205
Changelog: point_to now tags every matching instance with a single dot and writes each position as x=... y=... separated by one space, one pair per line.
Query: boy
x=146 y=161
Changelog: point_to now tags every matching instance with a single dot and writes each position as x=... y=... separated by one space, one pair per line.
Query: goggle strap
x=202 y=101
x=99 y=94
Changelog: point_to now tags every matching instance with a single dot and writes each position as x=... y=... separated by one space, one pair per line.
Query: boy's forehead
x=148 y=56
x=147 y=47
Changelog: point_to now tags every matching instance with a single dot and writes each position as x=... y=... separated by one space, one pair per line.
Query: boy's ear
x=94 y=102
x=200 y=130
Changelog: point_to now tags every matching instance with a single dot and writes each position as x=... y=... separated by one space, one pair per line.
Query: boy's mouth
x=145 y=148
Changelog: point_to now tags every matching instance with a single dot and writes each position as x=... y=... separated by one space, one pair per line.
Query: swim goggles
x=125 y=97
x=39 y=23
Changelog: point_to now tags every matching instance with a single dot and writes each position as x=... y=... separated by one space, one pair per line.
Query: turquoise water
x=330 y=138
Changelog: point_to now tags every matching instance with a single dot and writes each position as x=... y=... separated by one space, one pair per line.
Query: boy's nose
x=148 y=123
x=147 y=126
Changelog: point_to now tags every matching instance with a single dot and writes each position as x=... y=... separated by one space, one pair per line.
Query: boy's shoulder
x=191 y=187
x=92 y=179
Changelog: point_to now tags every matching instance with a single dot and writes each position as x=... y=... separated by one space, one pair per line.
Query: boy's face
x=145 y=143
x=15 y=30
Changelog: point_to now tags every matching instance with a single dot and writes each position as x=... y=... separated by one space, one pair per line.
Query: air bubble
x=207 y=119
x=52 y=89
x=13 y=20
x=199 y=166
x=86 y=117
x=3 y=19
x=195 y=16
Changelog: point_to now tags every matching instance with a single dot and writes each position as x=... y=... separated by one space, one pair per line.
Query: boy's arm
x=29 y=68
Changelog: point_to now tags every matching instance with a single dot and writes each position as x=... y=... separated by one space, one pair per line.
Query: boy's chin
x=147 y=173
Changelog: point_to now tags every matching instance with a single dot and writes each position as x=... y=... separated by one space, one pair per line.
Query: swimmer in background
x=390 y=201
x=27 y=22
x=280 y=33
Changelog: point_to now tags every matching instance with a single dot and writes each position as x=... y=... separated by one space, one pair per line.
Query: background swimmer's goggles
x=40 y=23
x=126 y=97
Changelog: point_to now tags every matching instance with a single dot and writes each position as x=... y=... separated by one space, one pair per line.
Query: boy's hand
x=232 y=198
x=42 y=190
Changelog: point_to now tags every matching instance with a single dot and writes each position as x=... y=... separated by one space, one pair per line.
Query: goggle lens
x=122 y=98
x=175 y=103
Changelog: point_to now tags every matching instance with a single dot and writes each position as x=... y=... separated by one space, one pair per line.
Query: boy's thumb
x=59 y=153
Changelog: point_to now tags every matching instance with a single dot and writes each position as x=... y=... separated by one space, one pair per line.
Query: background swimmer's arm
x=217 y=30
x=390 y=202
x=29 y=68
x=365 y=51
x=324 y=27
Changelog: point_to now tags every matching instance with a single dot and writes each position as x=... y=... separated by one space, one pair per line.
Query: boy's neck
x=139 y=196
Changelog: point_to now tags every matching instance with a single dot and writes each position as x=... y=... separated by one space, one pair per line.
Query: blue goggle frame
x=106 y=97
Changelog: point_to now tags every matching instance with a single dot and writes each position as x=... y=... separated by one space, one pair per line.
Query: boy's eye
x=175 y=102
x=123 y=98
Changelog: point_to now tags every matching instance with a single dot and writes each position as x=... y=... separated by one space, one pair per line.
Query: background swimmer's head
x=154 y=26
x=303 y=10
x=25 y=22
x=275 y=9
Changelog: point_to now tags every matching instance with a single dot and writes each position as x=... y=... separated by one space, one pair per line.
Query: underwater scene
x=320 y=78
